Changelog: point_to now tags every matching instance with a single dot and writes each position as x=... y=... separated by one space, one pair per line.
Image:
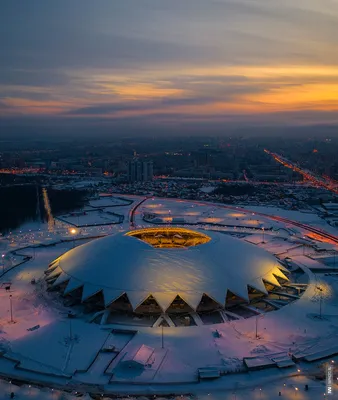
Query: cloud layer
x=162 y=62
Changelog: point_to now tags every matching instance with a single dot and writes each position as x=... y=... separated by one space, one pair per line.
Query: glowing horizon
x=225 y=60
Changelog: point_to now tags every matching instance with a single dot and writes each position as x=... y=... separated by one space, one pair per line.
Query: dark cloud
x=110 y=109
x=3 y=105
x=64 y=44
x=132 y=34
x=58 y=50
x=280 y=124
x=22 y=77
x=101 y=109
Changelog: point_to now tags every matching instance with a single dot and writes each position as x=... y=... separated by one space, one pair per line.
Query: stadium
x=167 y=275
x=152 y=307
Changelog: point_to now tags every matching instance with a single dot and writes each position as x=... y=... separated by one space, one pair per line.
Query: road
x=324 y=235
x=315 y=179
x=133 y=211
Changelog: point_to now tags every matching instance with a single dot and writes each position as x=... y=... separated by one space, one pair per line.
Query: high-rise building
x=140 y=171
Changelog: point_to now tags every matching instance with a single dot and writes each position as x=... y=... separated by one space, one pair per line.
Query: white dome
x=122 y=263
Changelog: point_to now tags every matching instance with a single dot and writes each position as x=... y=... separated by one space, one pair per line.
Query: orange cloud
x=139 y=91
x=247 y=90
x=267 y=71
x=28 y=106
x=309 y=96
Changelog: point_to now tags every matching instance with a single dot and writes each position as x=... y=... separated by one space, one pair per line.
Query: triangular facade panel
x=240 y=289
x=61 y=279
x=52 y=268
x=280 y=274
x=218 y=295
x=55 y=271
x=258 y=284
x=193 y=299
x=282 y=267
x=111 y=295
x=89 y=291
x=207 y=303
x=136 y=298
x=54 y=263
x=72 y=285
x=164 y=299
x=271 y=279
x=179 y=304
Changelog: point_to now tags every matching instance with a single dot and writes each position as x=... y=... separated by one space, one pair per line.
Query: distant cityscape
x=130 y=160
x=294 y=174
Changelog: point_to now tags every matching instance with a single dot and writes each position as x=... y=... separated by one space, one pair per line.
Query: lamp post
x=11 y=308
x=257 y=317
x=320 y=300
x=263 y=232
x=3 y=263
x=73 y=232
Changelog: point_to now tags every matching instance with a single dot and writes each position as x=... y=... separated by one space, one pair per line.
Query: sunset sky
x=176 y=62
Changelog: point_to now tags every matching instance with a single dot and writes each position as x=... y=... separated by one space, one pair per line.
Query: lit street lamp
x=73 y=231
x=3 y=263
x=263 y=232
x=320 y=300
x=10 y=387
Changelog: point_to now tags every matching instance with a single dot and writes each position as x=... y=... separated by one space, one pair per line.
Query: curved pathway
x=317 y=231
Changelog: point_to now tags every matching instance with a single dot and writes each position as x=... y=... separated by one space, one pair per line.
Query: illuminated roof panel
x=170 y=237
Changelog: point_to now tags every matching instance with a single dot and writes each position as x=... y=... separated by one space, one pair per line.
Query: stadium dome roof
x=166 y=262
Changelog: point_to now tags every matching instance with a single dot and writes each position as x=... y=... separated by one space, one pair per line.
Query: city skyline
x=155 y=64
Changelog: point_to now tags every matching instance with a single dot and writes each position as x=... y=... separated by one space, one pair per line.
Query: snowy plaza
x=165 y=297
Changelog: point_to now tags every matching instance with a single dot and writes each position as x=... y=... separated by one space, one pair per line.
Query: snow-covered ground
x=268 y=391
x=70 y=348
x=90 y=218
x=109 y=201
